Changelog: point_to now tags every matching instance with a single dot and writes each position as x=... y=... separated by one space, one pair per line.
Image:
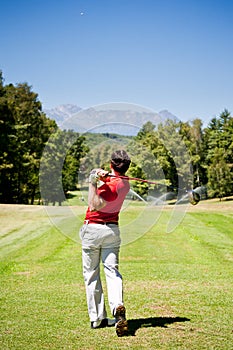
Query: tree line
x=177 y=145
x=175 y=153
x=24 y=132
x=38 y=161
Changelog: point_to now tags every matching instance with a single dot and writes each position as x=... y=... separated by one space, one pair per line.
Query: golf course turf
x=178 y=286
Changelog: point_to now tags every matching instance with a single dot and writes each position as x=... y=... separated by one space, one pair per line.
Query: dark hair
x=120 y=161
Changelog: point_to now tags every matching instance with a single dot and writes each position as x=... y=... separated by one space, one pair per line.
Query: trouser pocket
x=82 y=231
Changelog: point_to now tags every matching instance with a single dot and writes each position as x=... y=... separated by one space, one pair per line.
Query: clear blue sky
x=161 y=54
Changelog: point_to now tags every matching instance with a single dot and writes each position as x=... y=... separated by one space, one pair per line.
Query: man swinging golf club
x=101 y=241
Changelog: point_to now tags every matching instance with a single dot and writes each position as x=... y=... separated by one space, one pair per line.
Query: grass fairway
x=178 y=287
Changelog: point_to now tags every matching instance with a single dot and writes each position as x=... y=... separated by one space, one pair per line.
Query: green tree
x=193 y=137
x=219 y=175
x=171 y=159
x=7 y=137
x=31 y=131
x=151 y=153
x=139 y=187
x=24 y=131
x=98 y=157
x=219 y=155
x=77 y=150
x=60 y=164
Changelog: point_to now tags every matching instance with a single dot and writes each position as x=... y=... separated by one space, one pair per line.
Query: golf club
x=193 y=196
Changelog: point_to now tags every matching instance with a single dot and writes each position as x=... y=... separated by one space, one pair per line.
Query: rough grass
x=177 y=286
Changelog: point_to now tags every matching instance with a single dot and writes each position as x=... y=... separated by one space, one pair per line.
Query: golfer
x=101 y=240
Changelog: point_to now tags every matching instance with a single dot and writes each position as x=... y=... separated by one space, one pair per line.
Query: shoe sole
x=122 y=328
x=122 y=324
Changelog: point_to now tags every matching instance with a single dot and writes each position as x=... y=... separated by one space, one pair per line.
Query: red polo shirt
x=113 y=191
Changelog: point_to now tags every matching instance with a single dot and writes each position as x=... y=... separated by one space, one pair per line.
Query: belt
x=101 y=222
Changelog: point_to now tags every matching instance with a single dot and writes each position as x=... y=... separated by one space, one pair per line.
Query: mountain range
x=119 y=118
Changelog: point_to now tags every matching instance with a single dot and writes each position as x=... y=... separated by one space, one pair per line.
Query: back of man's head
x=120 y=161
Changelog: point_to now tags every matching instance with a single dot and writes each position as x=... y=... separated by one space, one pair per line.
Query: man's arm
x=95 y=202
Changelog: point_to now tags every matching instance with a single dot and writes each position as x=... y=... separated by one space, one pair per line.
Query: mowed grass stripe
x=214 y=233
x=20 y=224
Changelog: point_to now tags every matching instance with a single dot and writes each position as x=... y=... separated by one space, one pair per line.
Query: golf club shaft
x=194 y=198
x=137 y=179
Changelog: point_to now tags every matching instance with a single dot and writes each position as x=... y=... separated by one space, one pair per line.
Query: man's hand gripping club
x=97 y=175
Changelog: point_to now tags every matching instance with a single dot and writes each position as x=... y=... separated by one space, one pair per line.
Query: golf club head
x=194 y=197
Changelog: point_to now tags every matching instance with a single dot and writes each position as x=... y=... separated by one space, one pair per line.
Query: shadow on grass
x=134 y=325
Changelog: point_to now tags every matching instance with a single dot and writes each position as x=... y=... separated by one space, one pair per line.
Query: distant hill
x=118 y=118
x=165 y=114
x=62 y=112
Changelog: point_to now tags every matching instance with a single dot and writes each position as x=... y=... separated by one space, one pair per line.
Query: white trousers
x=101 y=243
